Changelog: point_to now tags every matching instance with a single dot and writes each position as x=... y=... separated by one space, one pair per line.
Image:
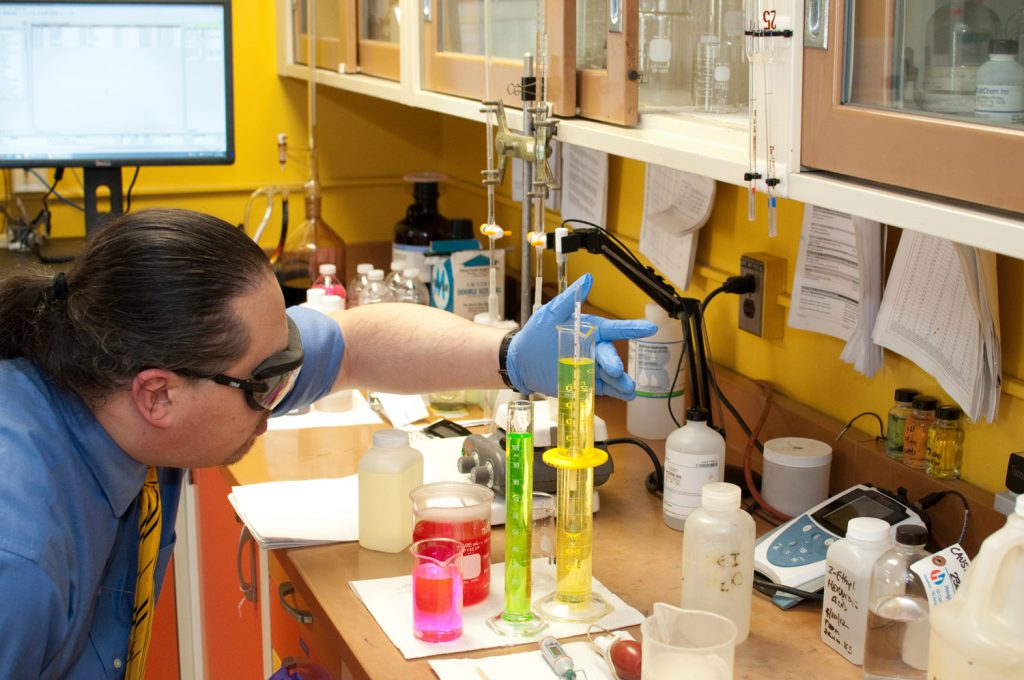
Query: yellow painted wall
x=367 y=145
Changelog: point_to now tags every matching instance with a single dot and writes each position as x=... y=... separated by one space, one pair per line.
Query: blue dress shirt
x=69 y=515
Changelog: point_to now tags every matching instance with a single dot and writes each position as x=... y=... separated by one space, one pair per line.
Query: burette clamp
x=537 y=239
x=563 y=458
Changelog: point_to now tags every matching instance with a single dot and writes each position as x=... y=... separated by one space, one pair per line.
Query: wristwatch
x=503 y=359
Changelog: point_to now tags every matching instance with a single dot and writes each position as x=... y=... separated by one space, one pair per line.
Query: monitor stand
x=94 y=179
x=57 y=250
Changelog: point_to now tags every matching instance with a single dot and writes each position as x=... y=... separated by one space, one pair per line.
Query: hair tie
x=60 y=287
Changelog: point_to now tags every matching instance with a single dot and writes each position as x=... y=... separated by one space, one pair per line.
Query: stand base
x=531 y=626
x=592 y=609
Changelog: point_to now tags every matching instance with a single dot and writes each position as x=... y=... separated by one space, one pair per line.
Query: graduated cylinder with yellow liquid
x=575 y=459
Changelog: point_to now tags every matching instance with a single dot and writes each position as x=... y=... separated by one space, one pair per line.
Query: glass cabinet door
x=454 y=49
x=379 y=23
x=923 y=94
x=607 y=60
x=335 y=34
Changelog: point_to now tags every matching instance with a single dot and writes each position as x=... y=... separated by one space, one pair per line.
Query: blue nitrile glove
x=533 y=354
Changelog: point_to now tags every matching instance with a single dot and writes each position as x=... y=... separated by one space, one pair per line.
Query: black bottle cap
x=1002 y=46
x=948 y=412
x=697 y=413
x=911 y=534
x=905 y=393
x=923 y=402
x=462 y=227
x=424 y=191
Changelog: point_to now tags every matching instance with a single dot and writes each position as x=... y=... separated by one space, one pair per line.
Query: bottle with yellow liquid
x=575 y=458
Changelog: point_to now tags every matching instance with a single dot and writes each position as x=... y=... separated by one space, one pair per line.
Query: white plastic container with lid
x=795 y=475
x=361 y=278
x=388 y=471
x=718 y=557
x=375 y=291
x=694 y=456
x=978 y=634
x=848 y=564
x=655 y=366
x=999 y=88
x=314 y=298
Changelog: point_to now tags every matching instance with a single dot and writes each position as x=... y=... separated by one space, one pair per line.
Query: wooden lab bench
x=635 y=555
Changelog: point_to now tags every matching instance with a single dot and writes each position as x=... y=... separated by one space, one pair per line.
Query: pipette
x=538 y=240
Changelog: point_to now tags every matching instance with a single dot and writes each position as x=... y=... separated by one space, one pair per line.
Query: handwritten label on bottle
x=842 y=617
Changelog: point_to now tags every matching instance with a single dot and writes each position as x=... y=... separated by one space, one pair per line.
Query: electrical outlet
x=24 y=182
x=760 y=311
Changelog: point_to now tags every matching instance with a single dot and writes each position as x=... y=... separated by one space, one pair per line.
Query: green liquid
x=518 y=525
x=894 y=436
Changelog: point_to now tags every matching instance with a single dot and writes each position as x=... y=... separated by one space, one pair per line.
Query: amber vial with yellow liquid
x=575 y=459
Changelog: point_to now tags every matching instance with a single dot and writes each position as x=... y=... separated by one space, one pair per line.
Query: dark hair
x=152 y=290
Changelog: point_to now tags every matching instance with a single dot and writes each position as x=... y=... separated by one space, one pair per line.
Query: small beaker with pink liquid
x=437 y=589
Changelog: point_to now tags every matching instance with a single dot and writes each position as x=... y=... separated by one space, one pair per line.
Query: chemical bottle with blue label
x=422 y=223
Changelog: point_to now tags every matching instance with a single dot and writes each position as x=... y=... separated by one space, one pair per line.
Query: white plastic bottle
x=978 y=634
x=388 y=471
x=375 y=291
x=848 y=564
x=999 y=88
x=654 y=363
x=718 y=557
x=358 y=281
x=694 y=456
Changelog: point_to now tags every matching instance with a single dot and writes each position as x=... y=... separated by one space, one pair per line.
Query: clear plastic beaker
x=459 y=511
x=437 y=589
x=700 y=642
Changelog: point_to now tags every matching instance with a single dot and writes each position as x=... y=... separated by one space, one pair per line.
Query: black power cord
x=655 y=481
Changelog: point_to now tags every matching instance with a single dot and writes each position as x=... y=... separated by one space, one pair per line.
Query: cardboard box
x=460 y=282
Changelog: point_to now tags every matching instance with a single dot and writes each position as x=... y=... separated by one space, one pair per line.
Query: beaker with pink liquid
x=460 y=511
x=436 y=589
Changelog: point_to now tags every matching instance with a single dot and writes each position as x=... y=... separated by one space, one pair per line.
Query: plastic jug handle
x=986 y=568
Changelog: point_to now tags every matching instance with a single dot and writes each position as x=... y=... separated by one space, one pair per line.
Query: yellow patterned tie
x=145 y=591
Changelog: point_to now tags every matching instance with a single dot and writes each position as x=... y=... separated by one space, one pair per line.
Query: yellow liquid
x=575 y=404
x=574 y=538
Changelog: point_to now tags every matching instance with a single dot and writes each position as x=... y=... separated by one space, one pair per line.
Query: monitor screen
x=102 y=84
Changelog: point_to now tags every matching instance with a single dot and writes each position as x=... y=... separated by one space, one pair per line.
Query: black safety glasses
x=272 y=380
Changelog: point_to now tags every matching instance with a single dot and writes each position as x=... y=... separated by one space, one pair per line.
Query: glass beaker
x=701 y=642
x=460 y=511
x=437 y=589
x=668 y=35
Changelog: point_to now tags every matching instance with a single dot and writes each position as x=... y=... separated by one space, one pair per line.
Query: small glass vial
x=915 y=437
x=999 y=88
x=945 y=444
x=898 y=422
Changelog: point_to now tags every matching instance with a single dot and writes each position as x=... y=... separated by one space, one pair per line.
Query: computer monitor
x=102 y=85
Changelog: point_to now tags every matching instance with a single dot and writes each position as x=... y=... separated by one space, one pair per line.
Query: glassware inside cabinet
x=333 y=48
x=380 y=20
x=513 y=32
x=949 y=59
x=668 y=43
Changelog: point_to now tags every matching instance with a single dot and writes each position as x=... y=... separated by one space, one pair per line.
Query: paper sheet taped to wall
x=676 y=205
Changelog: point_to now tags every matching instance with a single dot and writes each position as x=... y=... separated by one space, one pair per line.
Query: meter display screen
x=836 y=515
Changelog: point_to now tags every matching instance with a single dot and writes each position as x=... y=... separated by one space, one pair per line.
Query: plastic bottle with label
x=388 y=471
x=956 y=44
x=977 y=634
x=655 y=366
x=718 y=557
x=358 y=282
x=999 y=86
x=848 y=564
x=896 y=643
x=694 y=456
